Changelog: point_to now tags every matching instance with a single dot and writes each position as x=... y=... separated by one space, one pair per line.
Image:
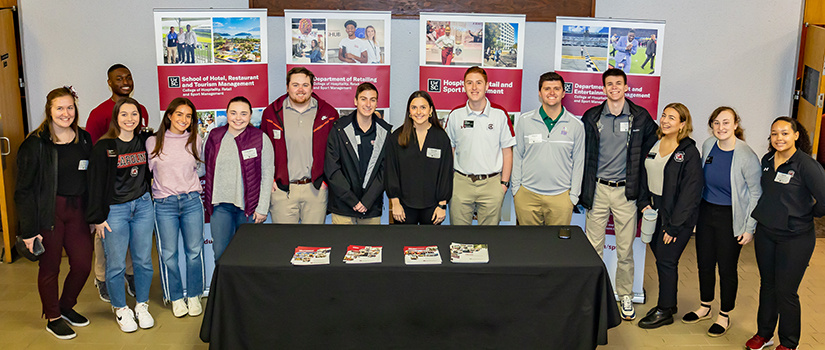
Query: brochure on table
x=311 y=256
x=422 y=255
x=461 y=253
x=359 y=254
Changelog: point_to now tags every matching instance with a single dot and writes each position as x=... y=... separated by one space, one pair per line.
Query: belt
x=303 y=181
x=611 y=183
x=478 y=177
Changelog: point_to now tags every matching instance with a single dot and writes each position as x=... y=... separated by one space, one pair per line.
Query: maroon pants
x=72 y=233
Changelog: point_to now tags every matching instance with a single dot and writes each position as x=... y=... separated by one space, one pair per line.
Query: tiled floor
x=21 y=327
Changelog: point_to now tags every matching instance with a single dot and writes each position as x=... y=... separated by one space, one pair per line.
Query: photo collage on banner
x=585 y=48
x=451 y=43
x=342 y=49
x=210 y=57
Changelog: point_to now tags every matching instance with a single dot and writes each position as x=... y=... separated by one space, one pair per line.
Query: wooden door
x=11 y=128
x=810 y=102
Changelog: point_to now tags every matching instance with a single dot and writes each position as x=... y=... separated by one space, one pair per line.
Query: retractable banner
x=342 y=49
x=585 y=48
x=450 y=43
x=209 y=57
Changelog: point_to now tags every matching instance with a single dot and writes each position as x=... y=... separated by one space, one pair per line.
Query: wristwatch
x=443 y=206
x=506 y=183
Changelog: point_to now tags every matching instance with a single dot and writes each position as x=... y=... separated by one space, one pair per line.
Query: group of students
x=615 y=159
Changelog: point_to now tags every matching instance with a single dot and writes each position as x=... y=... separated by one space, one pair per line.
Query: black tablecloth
x=537 y=291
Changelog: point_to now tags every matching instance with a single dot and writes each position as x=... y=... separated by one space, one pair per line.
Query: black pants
x=650 y=58
x=417 y=216
x=715 y=244
x=782 y=258
x=667 y=261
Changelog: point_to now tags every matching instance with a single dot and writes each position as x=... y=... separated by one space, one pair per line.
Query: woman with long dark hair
x=120 y=207
x=51 y=199
x=174 y=160
x=793 y=192
x=419 y=165
x=672 y=185
x=731 y=172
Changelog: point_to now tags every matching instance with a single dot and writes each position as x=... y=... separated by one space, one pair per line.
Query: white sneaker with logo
x=143 y=316
x=195 y=307
x=628 y=312
x=126 y=319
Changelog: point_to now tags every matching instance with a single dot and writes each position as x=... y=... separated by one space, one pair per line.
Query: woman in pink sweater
x=174 y=160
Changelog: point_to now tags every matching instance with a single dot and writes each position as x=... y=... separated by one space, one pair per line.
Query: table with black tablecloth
x=537 y=291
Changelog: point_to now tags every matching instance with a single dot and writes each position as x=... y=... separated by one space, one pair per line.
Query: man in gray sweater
x=548 y=159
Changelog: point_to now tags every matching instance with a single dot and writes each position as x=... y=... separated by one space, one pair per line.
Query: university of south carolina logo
x=134 y=171
x=174 y=82
x=433 y=85
x=791 y=172
x=490 y=126
x=131 y=160
x=679 y=156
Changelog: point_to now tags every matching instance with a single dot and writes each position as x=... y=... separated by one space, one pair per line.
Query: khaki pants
x=483 y=197
x=534 y=209
x=302 y=204
x=349 y=220
x=100 y=261
x=172 y=54
x=612 y=199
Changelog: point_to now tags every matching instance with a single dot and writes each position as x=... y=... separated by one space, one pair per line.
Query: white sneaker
x=143 y=316
x=195 y=307
x=628 y=312
x=179 y=308
x=126 y=319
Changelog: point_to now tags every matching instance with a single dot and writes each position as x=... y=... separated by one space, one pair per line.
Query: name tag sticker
x=433 y=153
x=624 y=126
x=783 y=178
x=276 y=134
x=534 y=138
x=111 y=153
x=249 y=153
x=357 y=139
x=651 y=155
x=84 y=164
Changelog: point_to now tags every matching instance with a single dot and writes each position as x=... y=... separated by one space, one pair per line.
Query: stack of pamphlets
x=423 y=255
x=468 y=253
x=311 y=256
x=360 y=254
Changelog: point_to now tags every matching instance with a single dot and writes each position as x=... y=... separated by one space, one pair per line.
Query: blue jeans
x=180 y=216
x=131 y=223
x=225 y=220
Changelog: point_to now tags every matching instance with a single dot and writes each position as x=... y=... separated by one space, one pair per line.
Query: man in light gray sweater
x=548 y=160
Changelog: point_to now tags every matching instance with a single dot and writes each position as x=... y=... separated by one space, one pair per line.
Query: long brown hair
x=407 y=127
x=739 y=132
x=114 y=128
x=684 y=116
x=166 y=123
x=47 y=122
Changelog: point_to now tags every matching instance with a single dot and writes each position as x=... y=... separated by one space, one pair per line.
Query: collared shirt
x=547 y=120
x=791 y=194
x=548 y=162
x=298 y=138
x=613 y=138
x=365 y=142
x=478 y=139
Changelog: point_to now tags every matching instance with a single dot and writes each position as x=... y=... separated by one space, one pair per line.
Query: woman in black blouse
x=419 y=165
x=793 y=192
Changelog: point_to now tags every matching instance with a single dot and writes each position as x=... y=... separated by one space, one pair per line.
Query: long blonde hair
x=684 y=116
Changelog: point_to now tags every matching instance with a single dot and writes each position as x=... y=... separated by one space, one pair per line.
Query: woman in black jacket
x=672 y=184
x=51 y=196
x=793 y=193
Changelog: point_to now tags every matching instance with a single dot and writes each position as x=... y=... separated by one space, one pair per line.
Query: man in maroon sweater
x=298 y=124
x=120 y=81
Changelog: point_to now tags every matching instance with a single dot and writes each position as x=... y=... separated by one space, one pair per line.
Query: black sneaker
x=102 y=290
x=60 y=329
x=74 y=318
x=130 y=283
